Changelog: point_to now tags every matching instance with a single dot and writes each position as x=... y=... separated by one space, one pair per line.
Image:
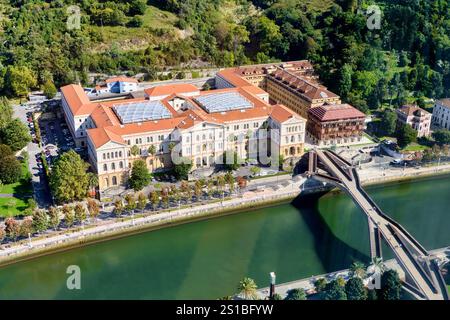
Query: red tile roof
x=171 y=89
x=410 y=110
x=335 y=112
x=101 y=136
x=75 y=97
x=121 y=79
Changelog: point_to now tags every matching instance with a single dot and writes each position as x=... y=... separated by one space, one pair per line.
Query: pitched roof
x=412 y=110
x=171 y=89
x=335 y=112
x=445 y=102
x=281 y=114
x=101 y=136
x=121 y=79
x=75 y=97
x=305 y=87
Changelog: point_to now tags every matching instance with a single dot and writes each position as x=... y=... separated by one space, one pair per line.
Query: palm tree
x=358 y=269
x=247 y=289
x=377 y=265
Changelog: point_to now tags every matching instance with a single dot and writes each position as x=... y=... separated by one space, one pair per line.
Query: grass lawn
x=21 y=188
x=414 y=147
x=12 y=206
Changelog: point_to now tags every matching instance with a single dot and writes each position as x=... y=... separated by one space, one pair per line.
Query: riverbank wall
x=90 y=234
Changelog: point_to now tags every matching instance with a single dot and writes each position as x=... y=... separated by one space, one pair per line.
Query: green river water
x=206 y=259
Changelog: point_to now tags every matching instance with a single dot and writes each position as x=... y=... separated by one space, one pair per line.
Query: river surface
x=206 y=259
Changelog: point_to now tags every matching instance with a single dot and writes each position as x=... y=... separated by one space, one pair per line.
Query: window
x=120 y=154
x=121 y=164
x=116 y=155
x=104 y=156
x=113 y=166
x=105 y=167
x=114 y=181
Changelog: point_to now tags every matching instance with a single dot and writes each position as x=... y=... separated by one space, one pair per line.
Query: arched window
x=120 y=154
x=114 y=181
x=113 y=166
x=105 y=167
x=121 y=164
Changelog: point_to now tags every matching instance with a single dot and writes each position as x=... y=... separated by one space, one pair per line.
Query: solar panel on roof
x=141 y=111
x=221 y=102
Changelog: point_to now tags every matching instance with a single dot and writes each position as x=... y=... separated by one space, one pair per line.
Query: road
x=40 y=187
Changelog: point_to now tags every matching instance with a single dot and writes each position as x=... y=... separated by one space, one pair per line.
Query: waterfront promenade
x=307 y=284
x=269 y=190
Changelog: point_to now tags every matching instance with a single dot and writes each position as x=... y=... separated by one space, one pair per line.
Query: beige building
x=417 y=118
x=180 y=121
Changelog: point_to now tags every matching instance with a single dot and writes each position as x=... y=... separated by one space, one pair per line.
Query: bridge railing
x=381 y=213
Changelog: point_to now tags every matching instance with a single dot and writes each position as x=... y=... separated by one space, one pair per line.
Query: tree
x=15 y=134
x=40 y=220
x=69 y=216
x=355 y=290
x=49 y=89
x=6 y=112
x=182 y=169
x=19 y=80
x=198 y=189
x=142 y=202
x=135 y=22
x=12 y=228
x=358 y=269
x=54 y=220
x=152 y=150
x=405 y=135
x=135 y=150
x=80 y=213
x=69 y=180
x=2 y=234
x=390 y=285
x=296 y=294
x=118 y=207
x=26 y=227
x=277 y=296
x=442 y=136
x=154 y=199
x=247 y=289
x=334 y=291
x=388 y=122
x=137 y=7
x=345 y=81
x=93 y=208
x=186 y=190
x=229 y=179
x=320 y=284
x=231 y=160
x=131 y=202
x=10 y=169
x=140 y=176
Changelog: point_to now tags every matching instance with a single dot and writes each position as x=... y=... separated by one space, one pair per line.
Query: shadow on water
x=334 y=253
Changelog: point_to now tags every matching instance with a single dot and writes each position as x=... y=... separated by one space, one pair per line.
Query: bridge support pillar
x=375 y=240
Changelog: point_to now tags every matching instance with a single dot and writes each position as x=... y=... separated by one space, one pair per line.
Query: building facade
x=180 y=122
x=334 y=125
x=441 y=114
x=417 y=118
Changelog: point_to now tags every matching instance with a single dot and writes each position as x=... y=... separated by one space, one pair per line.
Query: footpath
x=264 y=191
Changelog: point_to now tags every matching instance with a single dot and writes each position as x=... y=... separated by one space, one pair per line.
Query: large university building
x=253 y=111
x=199 y=125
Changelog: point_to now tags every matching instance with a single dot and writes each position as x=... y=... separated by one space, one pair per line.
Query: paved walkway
x=307 y=284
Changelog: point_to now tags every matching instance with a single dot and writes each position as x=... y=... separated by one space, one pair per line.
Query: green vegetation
x=182 y=169
x=140 y=176
x=69 y=179
x=406 y=59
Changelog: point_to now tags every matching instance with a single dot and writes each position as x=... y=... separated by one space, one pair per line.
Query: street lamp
x=272 y=285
